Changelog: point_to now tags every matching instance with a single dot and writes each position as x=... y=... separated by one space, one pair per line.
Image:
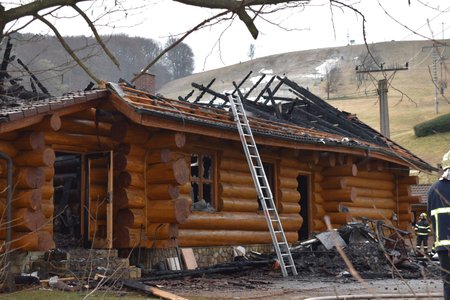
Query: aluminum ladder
x=262 y=187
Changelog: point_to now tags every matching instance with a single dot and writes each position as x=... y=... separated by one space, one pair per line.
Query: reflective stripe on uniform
x=436 y=212
x=440 y=210
x=421 y=233
x=442 y=243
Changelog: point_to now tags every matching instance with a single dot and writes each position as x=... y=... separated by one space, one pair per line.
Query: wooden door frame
x=85 y=194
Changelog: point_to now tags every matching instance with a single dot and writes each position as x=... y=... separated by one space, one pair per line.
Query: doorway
x=303 y=189
x=67 y=200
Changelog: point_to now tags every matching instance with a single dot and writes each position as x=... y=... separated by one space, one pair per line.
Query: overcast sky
x=315 y=26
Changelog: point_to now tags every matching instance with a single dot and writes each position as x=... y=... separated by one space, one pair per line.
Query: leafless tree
x=15 y=16
x=331 y=80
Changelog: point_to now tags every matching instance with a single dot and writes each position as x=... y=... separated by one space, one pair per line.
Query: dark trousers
x=444 y=260
x=422 y=239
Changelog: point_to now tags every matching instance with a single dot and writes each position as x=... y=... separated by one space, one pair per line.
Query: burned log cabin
x=119 y=167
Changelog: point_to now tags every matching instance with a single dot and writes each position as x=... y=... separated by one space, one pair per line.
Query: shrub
x=439 y=124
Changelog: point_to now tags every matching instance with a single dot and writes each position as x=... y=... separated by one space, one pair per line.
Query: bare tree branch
x=167 y=49
x=67 y=47
x=32 y=8
x=97 y=36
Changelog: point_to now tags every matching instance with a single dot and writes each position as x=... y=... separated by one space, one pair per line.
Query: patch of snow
x=255 y=79
x=264 y=71
x=327 y=65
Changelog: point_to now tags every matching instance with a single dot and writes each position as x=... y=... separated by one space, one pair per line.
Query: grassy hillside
x=410 y=96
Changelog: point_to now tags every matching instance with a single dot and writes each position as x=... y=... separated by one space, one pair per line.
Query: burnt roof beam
x=204 y=91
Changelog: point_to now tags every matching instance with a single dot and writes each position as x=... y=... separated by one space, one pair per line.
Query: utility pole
x=383 y=98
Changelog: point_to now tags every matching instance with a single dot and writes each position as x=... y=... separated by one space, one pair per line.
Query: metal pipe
x=381 y=296
x=8 y=159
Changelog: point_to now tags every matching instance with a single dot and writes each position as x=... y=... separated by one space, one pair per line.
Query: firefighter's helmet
x=423 y=216
x=446 y=161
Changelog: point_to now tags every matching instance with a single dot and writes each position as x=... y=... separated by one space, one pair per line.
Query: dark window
x=202 y=181
x=269 y=169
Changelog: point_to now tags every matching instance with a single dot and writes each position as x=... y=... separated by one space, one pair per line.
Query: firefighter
x=423 y=230
x=439 y=211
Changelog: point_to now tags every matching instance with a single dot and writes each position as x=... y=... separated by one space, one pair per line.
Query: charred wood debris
x=12 y=88
x=375 y=250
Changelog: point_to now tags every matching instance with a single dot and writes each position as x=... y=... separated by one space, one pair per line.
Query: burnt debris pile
x=372 y=248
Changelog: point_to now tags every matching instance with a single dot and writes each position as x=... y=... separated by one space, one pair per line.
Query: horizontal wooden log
x=318 y=211
x=33 y=241
x=318 y=198
x=168 y=211
x=127 y=179
x=290 y=172
x=289 y=208
x=203 y=237
x=288 y=182
x=166 y=139
x=129 y=198
x=236 y=177
x=410 y=180
x=362 y=202
x=327 y=159
x=238 y=221
x=318 y=225
x=378 y=214
x=238 y=204
x=289 y=195
x=233 y=164
x=403 y=190
x=162 y=231
x=343 y=170
x=339 y=218
x=334 y=183
x=348 y=194
x=71 y=139
x=24 y=219
x=309 y=157
x=31 y=199
x=185 y=189
x=47 y=208
x=163 y=156
x=228 y=190
x=176 y=172
x=29 y=178
x=130 y=217
x=8 y=148
x=49 y=173
x=97 y=192
x=410 y=199
x=294 y=164
x=88 y=127
x=47 y=190
x=129 y=237
x=376 y=184
x=98 y=175
x=30 y=140
x=49 y=123
x=163 y=191
x=365 y=192
x=131 y=149
x=97 y=209
x=35 y=158
x=376 y=175
x=125 y=132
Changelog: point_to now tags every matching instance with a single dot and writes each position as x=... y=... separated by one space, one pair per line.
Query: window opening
x=202 y=181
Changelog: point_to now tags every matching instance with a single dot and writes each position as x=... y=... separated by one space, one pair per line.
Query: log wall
x=152 y=192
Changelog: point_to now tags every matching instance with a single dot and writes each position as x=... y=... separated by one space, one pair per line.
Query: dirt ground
x=303 y=288
x=270 y=285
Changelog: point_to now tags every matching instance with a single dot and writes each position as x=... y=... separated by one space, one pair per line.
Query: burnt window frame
x=200 y=180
